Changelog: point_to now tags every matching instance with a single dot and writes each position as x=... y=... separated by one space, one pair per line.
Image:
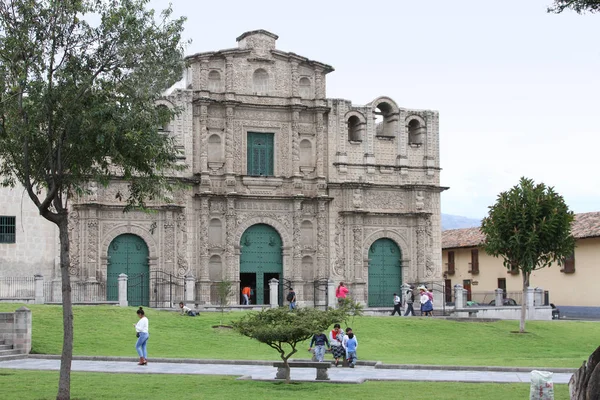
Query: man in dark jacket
x=410 y=299
x=319 y=340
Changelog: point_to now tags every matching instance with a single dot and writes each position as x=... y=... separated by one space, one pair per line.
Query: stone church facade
x=282 y=182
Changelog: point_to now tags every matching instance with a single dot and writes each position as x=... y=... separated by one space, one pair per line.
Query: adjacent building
x=572 y=284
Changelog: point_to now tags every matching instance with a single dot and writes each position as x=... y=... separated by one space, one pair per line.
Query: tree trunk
x=64 y=383
x=524 y=302
x=287 y=370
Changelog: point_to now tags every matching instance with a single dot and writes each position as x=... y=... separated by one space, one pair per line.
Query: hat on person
x=421 y=288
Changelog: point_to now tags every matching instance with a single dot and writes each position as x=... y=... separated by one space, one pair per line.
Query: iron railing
x=17 y=288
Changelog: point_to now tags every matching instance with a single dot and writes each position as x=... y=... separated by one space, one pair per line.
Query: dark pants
x=409 y=309
x=397 y=309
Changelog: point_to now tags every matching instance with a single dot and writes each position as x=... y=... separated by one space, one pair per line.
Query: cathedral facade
x=282 y=182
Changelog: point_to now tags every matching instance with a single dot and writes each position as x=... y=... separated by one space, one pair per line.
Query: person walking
x=345 y=345
x=319 y=340
x=341 y=292
x=246 y=295
x=397 y=305
x=426 y=304
x=335 y=338
x=351 y=346
x=291 y=297
x=410 y=299
x=142 y=334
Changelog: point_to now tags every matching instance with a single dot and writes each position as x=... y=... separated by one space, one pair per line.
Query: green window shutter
x=260 y=154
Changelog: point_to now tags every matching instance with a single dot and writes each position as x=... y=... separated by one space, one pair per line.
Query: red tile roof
x=586 y=225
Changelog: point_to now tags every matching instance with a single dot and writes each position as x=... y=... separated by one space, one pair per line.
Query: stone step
x=11 y=357
x=5 y=346
x=9 y=352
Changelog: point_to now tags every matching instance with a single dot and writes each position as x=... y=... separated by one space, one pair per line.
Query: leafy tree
x=283 y=330
x=579 y=6
x=78 y=84
x=349 y=309
x=529 y=226
x=223 y=293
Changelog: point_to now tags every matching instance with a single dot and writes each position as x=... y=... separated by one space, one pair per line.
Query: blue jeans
x=292 y=305
x=320 y=353
x=245 y=300
x=140 y=345
x=352 y=357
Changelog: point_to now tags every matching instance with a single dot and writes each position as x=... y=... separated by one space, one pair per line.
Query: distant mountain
x=458 y=222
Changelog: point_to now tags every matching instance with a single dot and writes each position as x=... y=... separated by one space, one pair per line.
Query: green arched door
x=260 y=260
x=385 y=272
x=128 y=254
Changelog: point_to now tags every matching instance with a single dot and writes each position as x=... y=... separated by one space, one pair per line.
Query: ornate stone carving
x=419 y=201
x=182 y=263
x=384 y=200
x=169 y=227
x=357 y=246
x=357 y=198
x=74 y=242
x=229 y=140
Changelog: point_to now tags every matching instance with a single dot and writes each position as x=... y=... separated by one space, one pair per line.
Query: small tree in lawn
x=79 y=81
x=223 y=292
x=530 y=228
x=283 y=330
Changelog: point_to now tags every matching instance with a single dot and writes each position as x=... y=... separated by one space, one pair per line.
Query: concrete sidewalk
x=261 y=370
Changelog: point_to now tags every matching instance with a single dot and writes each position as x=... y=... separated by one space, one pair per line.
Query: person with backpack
x=397 y=305
x=291 y=297
x=410 y=299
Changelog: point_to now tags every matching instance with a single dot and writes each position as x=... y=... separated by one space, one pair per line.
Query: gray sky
x=518 y=90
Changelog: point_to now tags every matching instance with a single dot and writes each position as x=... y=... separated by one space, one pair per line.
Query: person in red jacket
x=341 y=292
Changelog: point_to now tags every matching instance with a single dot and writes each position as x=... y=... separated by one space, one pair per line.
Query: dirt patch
x=222 y=327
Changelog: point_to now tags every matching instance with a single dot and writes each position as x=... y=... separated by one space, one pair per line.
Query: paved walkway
x=265 y=372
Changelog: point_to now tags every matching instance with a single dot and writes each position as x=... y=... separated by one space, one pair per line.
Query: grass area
x=18 y=385
x=108 y=330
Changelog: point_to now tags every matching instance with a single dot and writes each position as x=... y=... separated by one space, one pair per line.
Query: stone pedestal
x=499 y=297
x=274 y=293
x=123 y=290
x=331 y=300
x=459 y=297
x=22 y=330
x=39 y=289
x=190 y=291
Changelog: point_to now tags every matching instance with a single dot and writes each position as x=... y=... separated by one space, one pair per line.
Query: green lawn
x=24 y=385
x=108 y=330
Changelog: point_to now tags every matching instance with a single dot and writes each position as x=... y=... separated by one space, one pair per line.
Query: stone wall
x=15 y=329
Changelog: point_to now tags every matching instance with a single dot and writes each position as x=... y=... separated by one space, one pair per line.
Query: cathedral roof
x=585 y=225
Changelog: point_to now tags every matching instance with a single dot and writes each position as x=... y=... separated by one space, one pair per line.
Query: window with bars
x=260 y=154
x=7 y=229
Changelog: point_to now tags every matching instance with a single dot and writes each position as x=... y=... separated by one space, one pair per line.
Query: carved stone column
x=229 y=74
x=296 y=253
x=203 y=75
x=169 y=235
x=203 y=138
x=319 y=84
x=421 y=248
x=183 y=266
x=202 y=272
x=357 y=231
x=92 y=248
x=229 y=144
x=322 y=241
x=295 y=145
x=320 y=145
x=294 y=66
x=229 y=245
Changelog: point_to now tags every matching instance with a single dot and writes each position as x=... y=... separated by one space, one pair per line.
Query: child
x=186 y=310
x=351 y=346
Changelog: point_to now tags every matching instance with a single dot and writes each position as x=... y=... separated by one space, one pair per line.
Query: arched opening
x=416 y=132
x=164 y=114
x=304 y=88
x=260 y=80
x=214 y=81
x=261 y=260
x=306 y=154
x=386 y=122
x=355 y=128
x=215 y=232
x=215 y=149
x=128 y=254
x=385 y=272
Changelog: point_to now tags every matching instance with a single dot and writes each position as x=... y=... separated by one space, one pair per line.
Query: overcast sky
x=518 y=89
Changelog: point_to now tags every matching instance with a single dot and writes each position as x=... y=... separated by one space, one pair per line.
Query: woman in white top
x=142 y=334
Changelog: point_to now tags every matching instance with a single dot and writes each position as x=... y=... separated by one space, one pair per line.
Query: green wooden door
x=385 y=272
x=128 y=254
x=261 y=256
x=260 y=154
